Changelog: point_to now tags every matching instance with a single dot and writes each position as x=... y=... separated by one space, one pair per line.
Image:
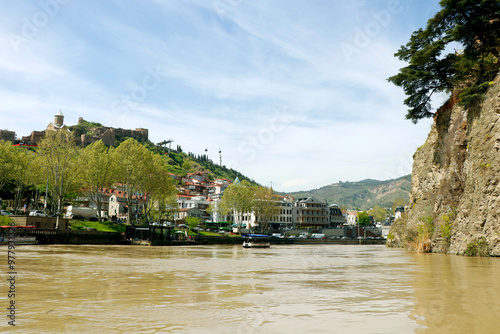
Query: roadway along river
x=228 y=289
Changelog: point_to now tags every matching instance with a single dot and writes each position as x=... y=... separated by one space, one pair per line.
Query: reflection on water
x=228 y=289
x=456 y=294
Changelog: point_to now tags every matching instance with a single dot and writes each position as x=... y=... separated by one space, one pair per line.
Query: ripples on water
x=228 y=289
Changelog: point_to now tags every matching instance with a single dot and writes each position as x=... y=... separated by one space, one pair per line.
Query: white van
x=318 y=236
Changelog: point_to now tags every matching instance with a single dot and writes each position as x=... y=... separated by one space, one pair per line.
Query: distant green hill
x=363 y=194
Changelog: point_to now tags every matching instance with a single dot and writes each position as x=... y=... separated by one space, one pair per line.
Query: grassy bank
x=106 y=226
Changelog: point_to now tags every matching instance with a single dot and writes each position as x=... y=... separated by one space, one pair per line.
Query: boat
x=250 y=243
x=18 y=241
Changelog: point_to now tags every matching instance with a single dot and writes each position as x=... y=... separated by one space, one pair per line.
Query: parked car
x=5 y=213
x=276 y=235
x=38 y=213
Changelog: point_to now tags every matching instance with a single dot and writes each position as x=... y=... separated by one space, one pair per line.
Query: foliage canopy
x=433 y=67
x=363 y=218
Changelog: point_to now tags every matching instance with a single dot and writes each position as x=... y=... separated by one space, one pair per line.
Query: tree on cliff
x=434 y=67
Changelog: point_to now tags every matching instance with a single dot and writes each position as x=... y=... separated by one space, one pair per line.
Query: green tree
x=133 y=161
x=6 y=162
x=24 y=173
x=156 y=187
x=380 y=214
x=167 y=208
x=238 y=199
x=363 y=218
x=434 y=68
x=98 y=174
x=218 y=209
x=58 y=154
x=265 y=205
x=192 y=222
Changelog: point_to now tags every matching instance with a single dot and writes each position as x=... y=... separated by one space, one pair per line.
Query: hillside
x=181 y=163
x=363 y=194
x=178 y=162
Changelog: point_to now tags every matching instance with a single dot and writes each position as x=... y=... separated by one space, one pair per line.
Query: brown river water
x=228 y=289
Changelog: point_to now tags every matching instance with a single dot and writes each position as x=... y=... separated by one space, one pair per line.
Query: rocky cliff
x=455 y=199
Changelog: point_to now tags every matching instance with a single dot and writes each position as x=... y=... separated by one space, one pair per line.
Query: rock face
x=455 y=200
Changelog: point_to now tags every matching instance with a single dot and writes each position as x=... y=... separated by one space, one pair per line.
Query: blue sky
x=292 y=92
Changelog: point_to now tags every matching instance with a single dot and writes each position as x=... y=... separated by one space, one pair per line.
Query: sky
x=294 y=93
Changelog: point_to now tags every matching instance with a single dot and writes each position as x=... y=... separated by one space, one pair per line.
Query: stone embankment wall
x=455 y=200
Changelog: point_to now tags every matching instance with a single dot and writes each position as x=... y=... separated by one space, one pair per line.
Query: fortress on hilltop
x=87 y=132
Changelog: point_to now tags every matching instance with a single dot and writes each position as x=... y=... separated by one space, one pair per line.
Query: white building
x=118 y=206
x=309 y=211
x=352 y=217
x=185 y=203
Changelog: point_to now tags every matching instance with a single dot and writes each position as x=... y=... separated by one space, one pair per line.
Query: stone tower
x=59 y=119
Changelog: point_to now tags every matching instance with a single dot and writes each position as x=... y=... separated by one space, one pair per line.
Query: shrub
x=422 y=238
x=477 y=247
x=186 y=165
x=5 y=220
x=177 y=158
x=445 y=228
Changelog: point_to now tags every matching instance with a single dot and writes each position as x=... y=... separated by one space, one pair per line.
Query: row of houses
x=292 y=213
x=198 y=184
x=301 y=212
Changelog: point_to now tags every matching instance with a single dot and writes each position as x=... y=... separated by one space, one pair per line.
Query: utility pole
x=220 y=157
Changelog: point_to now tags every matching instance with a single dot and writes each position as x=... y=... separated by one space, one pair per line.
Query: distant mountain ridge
x=363 y=194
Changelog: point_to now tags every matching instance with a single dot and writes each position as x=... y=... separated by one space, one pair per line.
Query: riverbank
x=81 y=237
x=237 y=240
